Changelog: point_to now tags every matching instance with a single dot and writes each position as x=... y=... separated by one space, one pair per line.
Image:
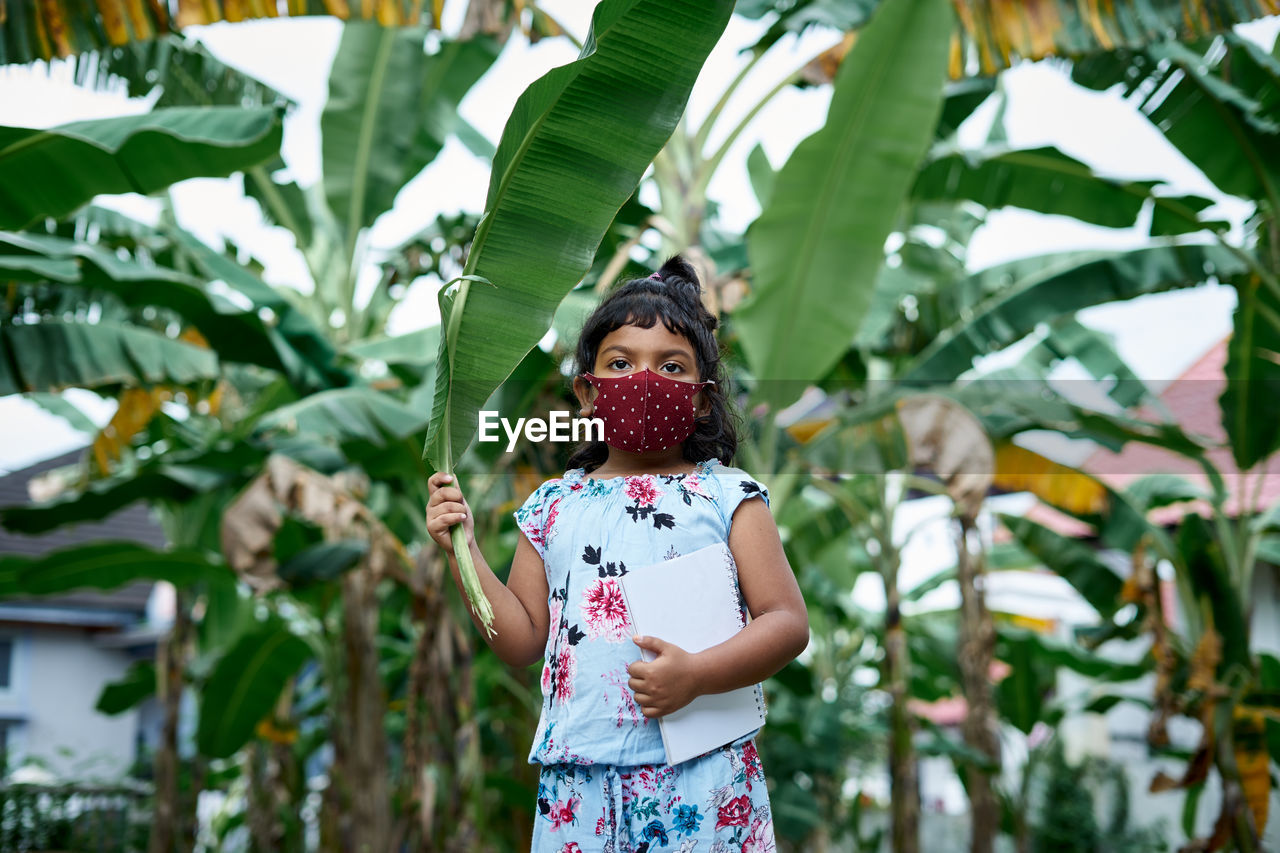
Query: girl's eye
x=675 y=367
x=618 y=361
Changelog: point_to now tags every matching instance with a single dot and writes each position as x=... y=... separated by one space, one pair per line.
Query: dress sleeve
x=736 y=487
x=536 y=515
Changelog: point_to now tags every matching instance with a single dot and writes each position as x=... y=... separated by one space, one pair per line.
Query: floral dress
x=604 y=785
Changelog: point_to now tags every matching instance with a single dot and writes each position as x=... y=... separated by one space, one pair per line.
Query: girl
x=659 y=486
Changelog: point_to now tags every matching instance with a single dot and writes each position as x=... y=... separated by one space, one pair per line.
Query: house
x=58 y=652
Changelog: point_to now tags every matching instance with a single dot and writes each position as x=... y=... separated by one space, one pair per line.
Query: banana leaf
x=575 y=147
x=391 y=107
x=1048 y=181
x=245 y=684
x=102 y=565
x=55 y=354
x=235 y=332
x=1039 y=289
x=52 y=172
x=818 y=246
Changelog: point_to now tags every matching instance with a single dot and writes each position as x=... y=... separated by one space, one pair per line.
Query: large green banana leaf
x=53 y=172
x=391 y=107
x=1034 y=290
x=245 y=684
x=310 y=356
x=102 y=565
x=1068 y=338
x=818 y=246
x=55 y=354
x=235 y=332
x=1214 y=102
x=575 y=147
x=1047 y=181
x=358 y=413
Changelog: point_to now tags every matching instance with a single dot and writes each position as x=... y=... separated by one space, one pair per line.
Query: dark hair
x=674 y=297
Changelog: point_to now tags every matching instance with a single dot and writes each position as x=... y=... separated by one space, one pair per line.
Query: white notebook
x=692 y=601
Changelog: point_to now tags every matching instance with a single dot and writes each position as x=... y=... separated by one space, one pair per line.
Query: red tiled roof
x=1191 y=401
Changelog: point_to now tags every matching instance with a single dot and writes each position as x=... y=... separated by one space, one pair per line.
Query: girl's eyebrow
x=664 y=354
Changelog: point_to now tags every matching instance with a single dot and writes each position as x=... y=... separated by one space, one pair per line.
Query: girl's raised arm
x=520 y=615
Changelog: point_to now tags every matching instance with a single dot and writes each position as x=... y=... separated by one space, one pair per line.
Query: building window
x=6 y=662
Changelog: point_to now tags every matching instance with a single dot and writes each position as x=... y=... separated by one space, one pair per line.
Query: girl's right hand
x=445 y=508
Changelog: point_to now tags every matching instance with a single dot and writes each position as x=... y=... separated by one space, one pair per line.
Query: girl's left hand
x=665 y=684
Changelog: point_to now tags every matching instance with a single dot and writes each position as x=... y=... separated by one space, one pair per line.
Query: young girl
x=659 y=486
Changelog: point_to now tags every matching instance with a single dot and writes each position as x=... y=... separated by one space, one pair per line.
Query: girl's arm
x=777 y=633
x=520 y=614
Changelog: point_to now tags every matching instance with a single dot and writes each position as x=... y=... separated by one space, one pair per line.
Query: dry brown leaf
x=945 y=437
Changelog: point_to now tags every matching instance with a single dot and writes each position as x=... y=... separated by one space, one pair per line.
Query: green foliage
x=1066 y=821
x=245 y=684
x=139 y=153
x=102 y=565
x=817 y=246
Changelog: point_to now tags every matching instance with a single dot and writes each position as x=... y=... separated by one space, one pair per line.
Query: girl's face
x=630 y=349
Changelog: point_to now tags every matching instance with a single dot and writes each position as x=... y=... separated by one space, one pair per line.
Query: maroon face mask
x=645 y=410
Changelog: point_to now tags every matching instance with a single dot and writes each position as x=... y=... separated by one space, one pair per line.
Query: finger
x=636 y=685
x=652 y=644
x=644 y=699
x=650 y=712
x=446 y=494
x=439 y=478
x=451 y=508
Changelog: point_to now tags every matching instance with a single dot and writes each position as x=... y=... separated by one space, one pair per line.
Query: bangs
x=635 y=309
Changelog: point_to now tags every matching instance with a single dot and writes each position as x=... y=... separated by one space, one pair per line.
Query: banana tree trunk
x=364 y=781
x=438 y=695
x=976 y=648
x=171 y=665
x=904 y=787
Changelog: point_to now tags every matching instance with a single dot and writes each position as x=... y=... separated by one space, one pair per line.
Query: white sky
x=1158 y=335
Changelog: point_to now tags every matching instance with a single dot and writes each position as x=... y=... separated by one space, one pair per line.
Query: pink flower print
x=694 y=486
x=760 y=839
x=572 y=847
x=556 y=608
x=566 y=671
x=564 y=813
x=605 y=611
x=643 y=490
x=546 y=678
x=600 y=825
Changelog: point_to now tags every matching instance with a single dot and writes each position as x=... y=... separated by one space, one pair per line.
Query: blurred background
x=1000 y=290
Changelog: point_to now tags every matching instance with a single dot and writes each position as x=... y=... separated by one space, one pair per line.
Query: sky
x=1158 y=335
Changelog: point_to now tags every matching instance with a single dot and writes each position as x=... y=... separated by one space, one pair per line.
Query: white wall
x=58 y=675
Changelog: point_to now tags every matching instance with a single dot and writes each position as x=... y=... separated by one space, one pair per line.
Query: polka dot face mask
x=645 y=410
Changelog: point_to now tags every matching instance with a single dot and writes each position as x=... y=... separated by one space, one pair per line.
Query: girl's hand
x=445 y=508
x=665 y=684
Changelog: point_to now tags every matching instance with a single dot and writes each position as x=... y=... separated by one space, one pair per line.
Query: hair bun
x=677 y=269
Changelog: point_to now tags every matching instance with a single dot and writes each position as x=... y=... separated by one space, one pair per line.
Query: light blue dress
x=605 y=785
